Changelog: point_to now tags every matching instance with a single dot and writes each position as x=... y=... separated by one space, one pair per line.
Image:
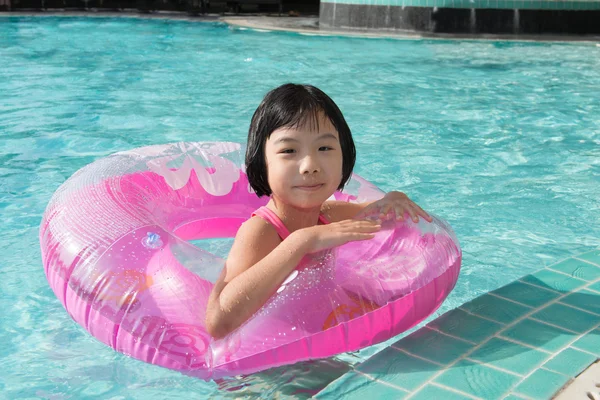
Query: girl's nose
x=309 y=166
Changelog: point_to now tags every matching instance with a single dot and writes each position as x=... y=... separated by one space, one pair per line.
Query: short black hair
x=292 y=106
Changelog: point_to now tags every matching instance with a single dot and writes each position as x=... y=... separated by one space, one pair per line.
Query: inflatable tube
x=115 y=250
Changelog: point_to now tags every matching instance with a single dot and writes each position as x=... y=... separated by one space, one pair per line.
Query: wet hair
x=293 y=106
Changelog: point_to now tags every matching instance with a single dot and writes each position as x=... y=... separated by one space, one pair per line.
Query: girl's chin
x=305 y=205
x=305 y=200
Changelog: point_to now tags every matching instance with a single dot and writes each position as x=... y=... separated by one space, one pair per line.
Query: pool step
x=586 y=386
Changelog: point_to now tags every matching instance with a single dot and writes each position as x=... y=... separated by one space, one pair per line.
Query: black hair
x=292 y=106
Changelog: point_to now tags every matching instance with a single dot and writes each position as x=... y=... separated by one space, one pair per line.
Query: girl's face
x=304 y=165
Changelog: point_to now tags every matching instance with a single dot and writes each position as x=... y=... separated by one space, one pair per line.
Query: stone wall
x=464 y=16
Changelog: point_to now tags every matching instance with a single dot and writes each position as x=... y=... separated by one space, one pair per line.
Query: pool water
x=501 y=139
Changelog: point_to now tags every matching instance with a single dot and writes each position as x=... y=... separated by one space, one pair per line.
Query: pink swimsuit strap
x=274 y=220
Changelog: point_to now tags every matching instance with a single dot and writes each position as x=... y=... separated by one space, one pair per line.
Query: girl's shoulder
x=258 y=229
x=335 y=210
x=254 y=240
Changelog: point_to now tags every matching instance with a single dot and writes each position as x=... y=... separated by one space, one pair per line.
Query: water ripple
x=502 y=139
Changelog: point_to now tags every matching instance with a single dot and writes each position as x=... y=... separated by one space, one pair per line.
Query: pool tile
x=526 y=294
x=595 y=286
x=398 y=368
x=589 y=342
x=477 y=380
x=353 y=386
x=577 y=269
x=542 y=384
x=568 y=317
x=554 y=281
x=592 y=256
x=466 y=326
x=432 y=391
x=570 y=362
x=433 y=346
x=539 y=335
x=584 y=299
x=496 y=309
x=509 y=356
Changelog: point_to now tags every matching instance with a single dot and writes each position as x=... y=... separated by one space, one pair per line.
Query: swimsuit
x=272 y=218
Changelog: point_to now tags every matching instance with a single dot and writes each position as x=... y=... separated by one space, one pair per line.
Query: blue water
x=501 y=139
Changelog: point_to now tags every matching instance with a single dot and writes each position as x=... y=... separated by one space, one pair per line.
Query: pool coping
x=304 y=25
x=525 y=340
x=309 y=26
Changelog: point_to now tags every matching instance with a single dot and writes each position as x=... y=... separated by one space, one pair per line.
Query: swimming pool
x=501 y=139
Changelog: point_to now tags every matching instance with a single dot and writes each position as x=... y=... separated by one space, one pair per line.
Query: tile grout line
x=554 y=326
x=481 y=316
x=507 y=299
x=560 y=302
x=593 y=290
x=508 y=339
x=580 y=254
x=489 y=319
x=451 y=389
x=568 y=257
x=452 y=336
x=578 y=308
x=568 y=345
x=530 y=307
x=585 y=351
x=586 y=261
x=566 y=274
x=556 y=372
x=507 y=326
x=556 y=263
x=372 y=378
x=492 y=366
x=518 y=395
x=539 y=287
x=439 y=364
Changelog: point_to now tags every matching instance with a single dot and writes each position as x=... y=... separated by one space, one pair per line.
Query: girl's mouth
x=310 y=188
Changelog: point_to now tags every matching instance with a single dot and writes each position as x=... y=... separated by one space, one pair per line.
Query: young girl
x=300 y=151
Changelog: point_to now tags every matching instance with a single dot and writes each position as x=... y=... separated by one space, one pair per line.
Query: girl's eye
x=325 y=148
x=287 y=151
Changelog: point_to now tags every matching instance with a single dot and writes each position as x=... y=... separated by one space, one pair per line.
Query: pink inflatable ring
x=115 y=249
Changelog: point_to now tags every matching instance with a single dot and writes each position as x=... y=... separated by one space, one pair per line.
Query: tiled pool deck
x=525 y=340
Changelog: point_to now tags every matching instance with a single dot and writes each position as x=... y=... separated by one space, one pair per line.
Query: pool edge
x=492 y=337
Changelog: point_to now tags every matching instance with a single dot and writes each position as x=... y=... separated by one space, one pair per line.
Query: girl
x=300 y=151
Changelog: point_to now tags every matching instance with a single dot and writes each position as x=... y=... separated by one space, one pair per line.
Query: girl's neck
x=294 y=218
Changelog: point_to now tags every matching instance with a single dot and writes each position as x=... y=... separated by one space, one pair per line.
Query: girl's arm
x=396 y=201
x=259 y=262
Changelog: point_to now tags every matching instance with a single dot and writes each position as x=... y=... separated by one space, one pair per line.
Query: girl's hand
x=323 y=237
x=400 y=204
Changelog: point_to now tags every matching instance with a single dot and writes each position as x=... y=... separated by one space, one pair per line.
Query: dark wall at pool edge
x=459 y=20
